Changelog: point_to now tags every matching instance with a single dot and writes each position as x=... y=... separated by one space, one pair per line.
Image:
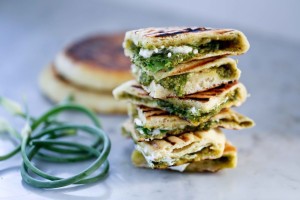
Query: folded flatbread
x=153 y=123
x=156 y=49
x=195 y=108
x=181 y=149
x=187 y=78
x=227 y=160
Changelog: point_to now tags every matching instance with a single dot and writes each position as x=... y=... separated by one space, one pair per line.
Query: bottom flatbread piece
x=227 y=160
x=181 y=149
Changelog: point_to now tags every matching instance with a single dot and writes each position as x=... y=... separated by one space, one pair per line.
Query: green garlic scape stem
x=44 y=132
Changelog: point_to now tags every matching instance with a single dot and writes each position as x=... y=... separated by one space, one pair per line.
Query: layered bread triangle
x=181 y=149
x=153 y=123
x=162 y=49
x=195 y=108
x=187 y=78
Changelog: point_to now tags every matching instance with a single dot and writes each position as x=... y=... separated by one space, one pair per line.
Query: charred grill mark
x=167 y=33
x=103 y=51
x=154 y=113
x=200 y=99
x=148 y=109
x=158 y=115
x=197 y=64
x=169 y=141
x=222 y=31
x=137 y=87
x=185 y=138
x=205 y=95
x=145 y=108
x=149 y=114
x=141 y=91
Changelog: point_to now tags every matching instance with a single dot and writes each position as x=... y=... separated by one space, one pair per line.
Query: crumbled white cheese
x=181 y=49
x=179 y=168
x=146 y=53
x=151 y=156
x=194 y=110
x=212 y=102
x=138 y=122
x=156 y=132
x=134 y=69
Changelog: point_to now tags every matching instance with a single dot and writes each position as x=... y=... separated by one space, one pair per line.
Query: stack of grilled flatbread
x=183 y=93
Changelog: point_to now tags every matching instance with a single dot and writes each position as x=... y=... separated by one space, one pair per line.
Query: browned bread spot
x=100 y=51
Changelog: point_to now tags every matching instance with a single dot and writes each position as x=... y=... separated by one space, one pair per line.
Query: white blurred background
x=269 y=17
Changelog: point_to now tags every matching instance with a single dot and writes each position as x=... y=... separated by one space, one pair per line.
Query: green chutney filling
x=162 y=60
x=150 y=133
x=197 y=116
x=177 y=83
x=188 y=158
x=225 y=71
x=182 y=110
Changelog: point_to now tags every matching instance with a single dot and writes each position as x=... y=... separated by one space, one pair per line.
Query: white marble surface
x=31 y=32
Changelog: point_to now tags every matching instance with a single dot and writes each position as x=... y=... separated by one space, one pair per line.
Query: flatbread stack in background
x=183 y=96
x=89 y=70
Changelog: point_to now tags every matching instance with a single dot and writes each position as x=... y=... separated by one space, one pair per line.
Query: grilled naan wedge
x=181 y=149
x=153 y=123
x=188 y=78
x=195 y=108
x=162 y=49
x=227 y=160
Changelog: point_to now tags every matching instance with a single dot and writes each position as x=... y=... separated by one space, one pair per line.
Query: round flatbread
x=96 y=62
x=57 y=89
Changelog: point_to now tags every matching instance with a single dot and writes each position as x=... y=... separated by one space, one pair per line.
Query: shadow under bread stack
x=183 y=93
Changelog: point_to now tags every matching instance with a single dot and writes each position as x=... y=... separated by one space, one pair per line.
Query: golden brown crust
x=229 y=148
x=95 y=62
x=100 y=51
x=57 y=88
x=65 y=81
